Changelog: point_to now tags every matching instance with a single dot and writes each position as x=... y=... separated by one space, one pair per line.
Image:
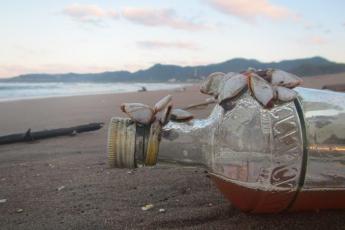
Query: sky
x=46 y=36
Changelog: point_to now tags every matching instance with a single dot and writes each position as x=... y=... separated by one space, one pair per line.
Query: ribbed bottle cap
x=121 y=143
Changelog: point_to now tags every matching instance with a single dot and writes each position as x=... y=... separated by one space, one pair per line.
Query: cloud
x=169 y=45
x=317 y=40
x=88 y=13
x=160 y=17
x=250 y=10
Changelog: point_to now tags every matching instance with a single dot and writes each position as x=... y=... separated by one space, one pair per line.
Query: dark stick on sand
x=193 y=106
x=32 y=136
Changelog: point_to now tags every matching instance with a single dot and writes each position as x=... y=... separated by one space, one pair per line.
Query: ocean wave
x=19 y=91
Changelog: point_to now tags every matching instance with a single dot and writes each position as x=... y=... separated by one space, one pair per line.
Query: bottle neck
x=188 y=143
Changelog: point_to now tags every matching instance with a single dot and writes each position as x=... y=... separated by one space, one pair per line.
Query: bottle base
x=258 y=201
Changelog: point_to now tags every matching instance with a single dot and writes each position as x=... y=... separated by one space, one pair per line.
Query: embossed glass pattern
x=247 y=145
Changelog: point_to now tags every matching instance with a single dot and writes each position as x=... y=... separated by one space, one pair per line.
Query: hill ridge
x=162 y=73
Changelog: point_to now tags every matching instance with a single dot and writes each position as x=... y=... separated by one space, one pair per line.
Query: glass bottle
x=287 y=158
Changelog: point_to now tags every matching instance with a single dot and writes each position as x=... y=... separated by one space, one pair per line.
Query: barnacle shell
x=162 y=103
x=138 y=112
x=285 y=94
x=211 y=85
x=282 y=78
x=232 y=87
x=261 y=89
x=210 y=99
x=164 y=115
x=181 y=115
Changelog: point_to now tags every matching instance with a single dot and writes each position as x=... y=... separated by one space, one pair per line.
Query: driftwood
x=193 y=106
x=31 y=136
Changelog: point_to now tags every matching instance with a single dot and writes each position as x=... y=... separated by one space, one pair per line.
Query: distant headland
x=173 y=73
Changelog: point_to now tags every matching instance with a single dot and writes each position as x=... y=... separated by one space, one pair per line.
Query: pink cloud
x=164 y=44
x=317 y=40
x=250 y=10
x=88 y=13
x=160 y=17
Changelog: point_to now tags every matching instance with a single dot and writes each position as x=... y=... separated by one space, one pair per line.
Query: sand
x=318 y=82
x=65 y=183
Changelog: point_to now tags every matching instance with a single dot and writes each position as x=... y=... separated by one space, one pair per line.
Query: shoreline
x=172 y=86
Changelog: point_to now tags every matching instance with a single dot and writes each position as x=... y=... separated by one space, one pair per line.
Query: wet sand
x=65 y=183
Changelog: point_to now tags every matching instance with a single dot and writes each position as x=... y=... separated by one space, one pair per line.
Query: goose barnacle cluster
x=268 y=87
x=161 y=112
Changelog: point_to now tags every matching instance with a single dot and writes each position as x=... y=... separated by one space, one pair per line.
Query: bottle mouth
x=131 y=145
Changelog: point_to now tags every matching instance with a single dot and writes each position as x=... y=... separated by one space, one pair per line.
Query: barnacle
x=268 y=87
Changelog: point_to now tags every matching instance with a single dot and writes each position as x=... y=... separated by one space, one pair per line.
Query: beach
x=65 y=182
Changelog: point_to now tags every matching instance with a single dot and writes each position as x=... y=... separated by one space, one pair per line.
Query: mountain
x=162 y=73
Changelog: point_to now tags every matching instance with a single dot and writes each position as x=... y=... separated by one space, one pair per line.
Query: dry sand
x=65 y=183
x=318 y=82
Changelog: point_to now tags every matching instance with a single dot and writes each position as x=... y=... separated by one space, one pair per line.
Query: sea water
x=20 y=91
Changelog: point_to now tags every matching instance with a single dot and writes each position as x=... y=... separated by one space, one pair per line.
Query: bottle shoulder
x=252 y=145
